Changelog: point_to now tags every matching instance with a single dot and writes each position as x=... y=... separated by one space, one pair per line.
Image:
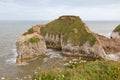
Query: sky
x=52 y=9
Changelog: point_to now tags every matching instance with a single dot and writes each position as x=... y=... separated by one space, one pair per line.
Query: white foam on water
x=12 y=59
x=55 y=56
x=53 y=53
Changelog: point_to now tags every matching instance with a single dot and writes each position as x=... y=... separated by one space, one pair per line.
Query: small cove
x=11 y=30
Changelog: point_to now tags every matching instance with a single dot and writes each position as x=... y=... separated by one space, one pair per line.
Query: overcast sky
x=51 y=9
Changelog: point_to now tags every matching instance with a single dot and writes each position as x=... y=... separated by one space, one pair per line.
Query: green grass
x=94 y=70
x=29 y=31
x=117 y=29
x=66 y=28
x=33 y=40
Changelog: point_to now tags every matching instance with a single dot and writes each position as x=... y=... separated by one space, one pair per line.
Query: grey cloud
x=74 y=3
x=86 y=2
x=39 y=9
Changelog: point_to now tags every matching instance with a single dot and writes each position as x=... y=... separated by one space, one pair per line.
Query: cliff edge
x=68 y=34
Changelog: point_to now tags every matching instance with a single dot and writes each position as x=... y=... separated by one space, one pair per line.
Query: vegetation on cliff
x=33 y=40
x=117 y=29
x=71 y=28
x=30 y=31
x=94 y=70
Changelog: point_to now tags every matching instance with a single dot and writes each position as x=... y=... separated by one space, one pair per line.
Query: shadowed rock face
x=53 y=41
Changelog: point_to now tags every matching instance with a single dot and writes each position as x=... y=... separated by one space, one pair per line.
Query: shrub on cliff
x=71 y=28
x=33 y=40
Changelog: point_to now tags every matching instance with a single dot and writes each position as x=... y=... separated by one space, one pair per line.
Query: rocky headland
x=71 y=36
x=30 y=45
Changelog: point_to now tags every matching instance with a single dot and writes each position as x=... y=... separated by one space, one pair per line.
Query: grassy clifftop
x=72 y=28
x=117 y=29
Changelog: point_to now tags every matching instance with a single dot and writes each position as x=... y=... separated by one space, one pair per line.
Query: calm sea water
x=11 y=30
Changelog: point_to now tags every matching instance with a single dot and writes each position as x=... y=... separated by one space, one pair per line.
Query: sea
x=10 y=31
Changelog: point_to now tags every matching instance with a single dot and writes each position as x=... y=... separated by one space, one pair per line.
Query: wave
x=53 y=54
x=12 y=58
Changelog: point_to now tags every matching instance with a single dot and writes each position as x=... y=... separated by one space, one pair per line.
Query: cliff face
x=73 y=37
x=68 y=34
x=53 y=41
x=30 y=45
x=109 y=45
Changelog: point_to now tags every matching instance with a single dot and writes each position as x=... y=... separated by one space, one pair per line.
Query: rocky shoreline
x=70 y=35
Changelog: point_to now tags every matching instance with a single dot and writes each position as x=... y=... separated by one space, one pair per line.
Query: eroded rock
x=30 y=46
x=73 y=37
x=68 y=34
x=110 y=45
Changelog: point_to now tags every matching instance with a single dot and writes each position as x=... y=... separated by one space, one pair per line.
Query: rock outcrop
x=71 y=35
x=110 y=45
x=30 y=45
x=116 y=33
x=68 y=34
